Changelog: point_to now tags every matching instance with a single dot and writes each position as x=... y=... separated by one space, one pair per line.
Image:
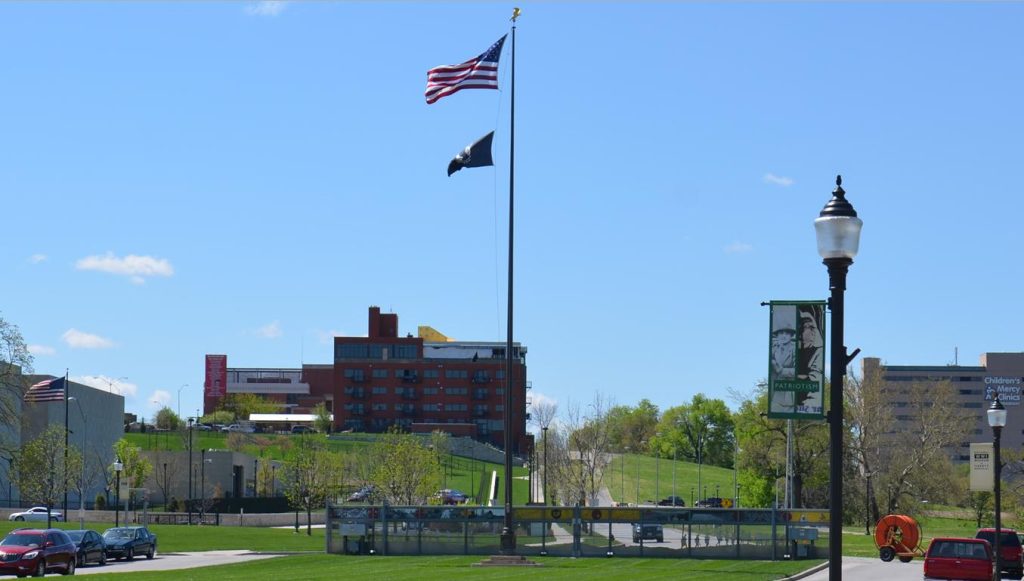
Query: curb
x=807 y=572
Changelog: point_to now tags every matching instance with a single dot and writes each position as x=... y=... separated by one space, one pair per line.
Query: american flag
x=49 y=390
x=476 y=73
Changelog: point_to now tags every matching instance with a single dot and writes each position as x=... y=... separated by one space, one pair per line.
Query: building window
x=455 y=407
x=399 y=390
x=403 y=351
x=380 y=373
x=429 y=391
x=431 y=407
x=499 y=374
x=456 y=391
x=354 y=374
x=350 y=351
x=380 y=407
x=431 y=373
x=973 y=404
x=456 y=374
x=379 y=390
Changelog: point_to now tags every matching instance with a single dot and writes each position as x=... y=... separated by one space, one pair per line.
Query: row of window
x=478 y=376
x=359 y=408
x=374 y=351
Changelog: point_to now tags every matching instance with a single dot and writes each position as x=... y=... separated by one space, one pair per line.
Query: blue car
x=127 y=542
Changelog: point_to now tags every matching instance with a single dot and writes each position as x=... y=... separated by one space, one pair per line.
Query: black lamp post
x=544 y=481
x=118 y=467
x=188 y=502
x=838 y=232
x=997 y=419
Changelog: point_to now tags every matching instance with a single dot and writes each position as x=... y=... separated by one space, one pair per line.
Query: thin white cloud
x=770 y=178
x=266 y=8
x=271 y=331
x=37 y=258
x=118 y=386
x=327 y=337
x=41 y=350
x=80 y=340
x=737 y=247
x=159 y=399
x=135 y=267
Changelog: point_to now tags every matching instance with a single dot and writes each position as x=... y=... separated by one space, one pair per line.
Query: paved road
x=873 y=569
x=172 y=561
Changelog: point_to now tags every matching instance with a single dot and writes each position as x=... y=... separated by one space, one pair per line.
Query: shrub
x=101 y=502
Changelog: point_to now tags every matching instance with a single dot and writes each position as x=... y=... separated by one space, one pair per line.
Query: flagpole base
x=508 y=542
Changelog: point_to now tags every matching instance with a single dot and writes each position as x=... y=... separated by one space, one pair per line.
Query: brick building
x=420 y=383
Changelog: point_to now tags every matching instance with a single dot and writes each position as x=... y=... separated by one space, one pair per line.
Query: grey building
x=974 y=388
x=94 y=419
x=214 y=473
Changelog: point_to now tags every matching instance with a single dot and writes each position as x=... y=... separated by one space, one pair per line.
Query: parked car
x=127 y=542
x=204 y=427
x=712 y=502
x=361 y=495
x=1010 y=550
x=36 y=513
x=239 y=428
x=671 y=501
x=451 y=496
x=89 y=547
x=953 y=558
x=36 y=552
x=645 y=532
x=303 y=430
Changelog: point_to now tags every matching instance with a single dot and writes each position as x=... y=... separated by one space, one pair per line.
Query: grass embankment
x=656 y=480
x=445 y=568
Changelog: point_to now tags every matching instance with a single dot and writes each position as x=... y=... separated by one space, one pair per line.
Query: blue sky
x=247 y=178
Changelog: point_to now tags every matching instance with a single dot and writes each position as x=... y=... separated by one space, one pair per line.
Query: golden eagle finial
x=515 y=14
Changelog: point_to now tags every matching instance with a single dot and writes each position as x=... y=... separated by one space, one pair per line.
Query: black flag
x=476 y=155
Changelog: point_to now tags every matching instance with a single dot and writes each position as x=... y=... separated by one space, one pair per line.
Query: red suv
x=952 y=558
x=1009 y=551
x=36 y=552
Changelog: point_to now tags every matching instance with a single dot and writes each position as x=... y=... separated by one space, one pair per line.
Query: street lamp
x=642 y=444
x=188 y=502
x=838 y=233
x=118 y=467
x=997 y=419
x=81 y=488
x=622 y=474
x=179 y=399
x=657 y=469
x=544 y=481
x=673 y=474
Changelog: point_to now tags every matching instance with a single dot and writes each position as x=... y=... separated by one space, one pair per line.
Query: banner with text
x=796 y=360
x=982 y=468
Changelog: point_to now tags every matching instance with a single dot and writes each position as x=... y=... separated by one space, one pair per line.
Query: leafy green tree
x=629 y=427
x=218 y=417
x=243 y=405
x=701 y=431
x=166 y=419
x=310 y=476
x=15 y=361
x=41 y=470
x=404 y=470
x=322 y=418
x=135 y=467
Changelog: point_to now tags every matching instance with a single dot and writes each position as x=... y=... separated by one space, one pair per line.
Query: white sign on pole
x=982 y=468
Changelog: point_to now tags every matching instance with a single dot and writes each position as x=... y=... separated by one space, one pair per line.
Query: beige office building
x=974 y=387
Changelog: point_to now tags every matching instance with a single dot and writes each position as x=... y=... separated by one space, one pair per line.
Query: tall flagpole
x=64 y=508
x=508 y=534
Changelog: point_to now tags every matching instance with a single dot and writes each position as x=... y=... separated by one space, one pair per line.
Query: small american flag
x=476 y=73
x=49 y=390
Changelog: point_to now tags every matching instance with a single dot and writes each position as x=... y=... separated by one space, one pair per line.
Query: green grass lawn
x=444 y=568
x=655 y=478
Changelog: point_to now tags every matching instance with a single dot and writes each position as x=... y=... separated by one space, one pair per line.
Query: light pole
x=81 y=487
x=657 y=469
x=622 y=474
x=118 y=467
x=202 y=484
x=673 y=475
x=188 y=502
x=544 y=481
x=179 y=399
x=838 y=233
x=997 y=419
x=642 y=444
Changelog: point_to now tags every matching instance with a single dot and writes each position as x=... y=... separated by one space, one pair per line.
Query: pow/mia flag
x=476 y=155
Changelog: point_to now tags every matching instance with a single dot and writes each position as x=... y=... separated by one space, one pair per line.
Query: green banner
x=796 y=360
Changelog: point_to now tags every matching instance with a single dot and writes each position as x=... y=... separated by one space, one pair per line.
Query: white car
x=36 y=513
x=238 y=428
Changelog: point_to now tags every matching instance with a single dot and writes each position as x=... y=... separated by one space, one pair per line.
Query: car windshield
x=119 y=534
x=76 y=535
x=22 y=540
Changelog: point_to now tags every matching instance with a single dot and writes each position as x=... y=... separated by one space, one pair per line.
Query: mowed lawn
x=443 y=568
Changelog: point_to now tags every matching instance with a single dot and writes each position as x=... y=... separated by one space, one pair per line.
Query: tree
x=42 y=471
x=322 y=418
x=701 y=430
x=628 y=427
x=135 y=469
x=580 y=450
x=15 y=361
x=403 y=470
x=166 y=419
x=243 y=405
x=168 y=465
x=310 y=476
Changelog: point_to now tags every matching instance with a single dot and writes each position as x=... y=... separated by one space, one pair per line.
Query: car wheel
x=103 y=558
x=70 y=570
x=151 y=553
x=661 y=539
x=20 y=518
x=130 y=555
x=40 y=569
x=80 y=558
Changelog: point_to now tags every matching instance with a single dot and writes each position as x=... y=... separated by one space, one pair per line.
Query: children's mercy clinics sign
x=1008 y=388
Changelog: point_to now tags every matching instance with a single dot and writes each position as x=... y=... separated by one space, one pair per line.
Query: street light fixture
x=544 y=481
x=838 y=232
x=118 y=467
x=188 y=502
x=81 y=489
x=997 y=420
